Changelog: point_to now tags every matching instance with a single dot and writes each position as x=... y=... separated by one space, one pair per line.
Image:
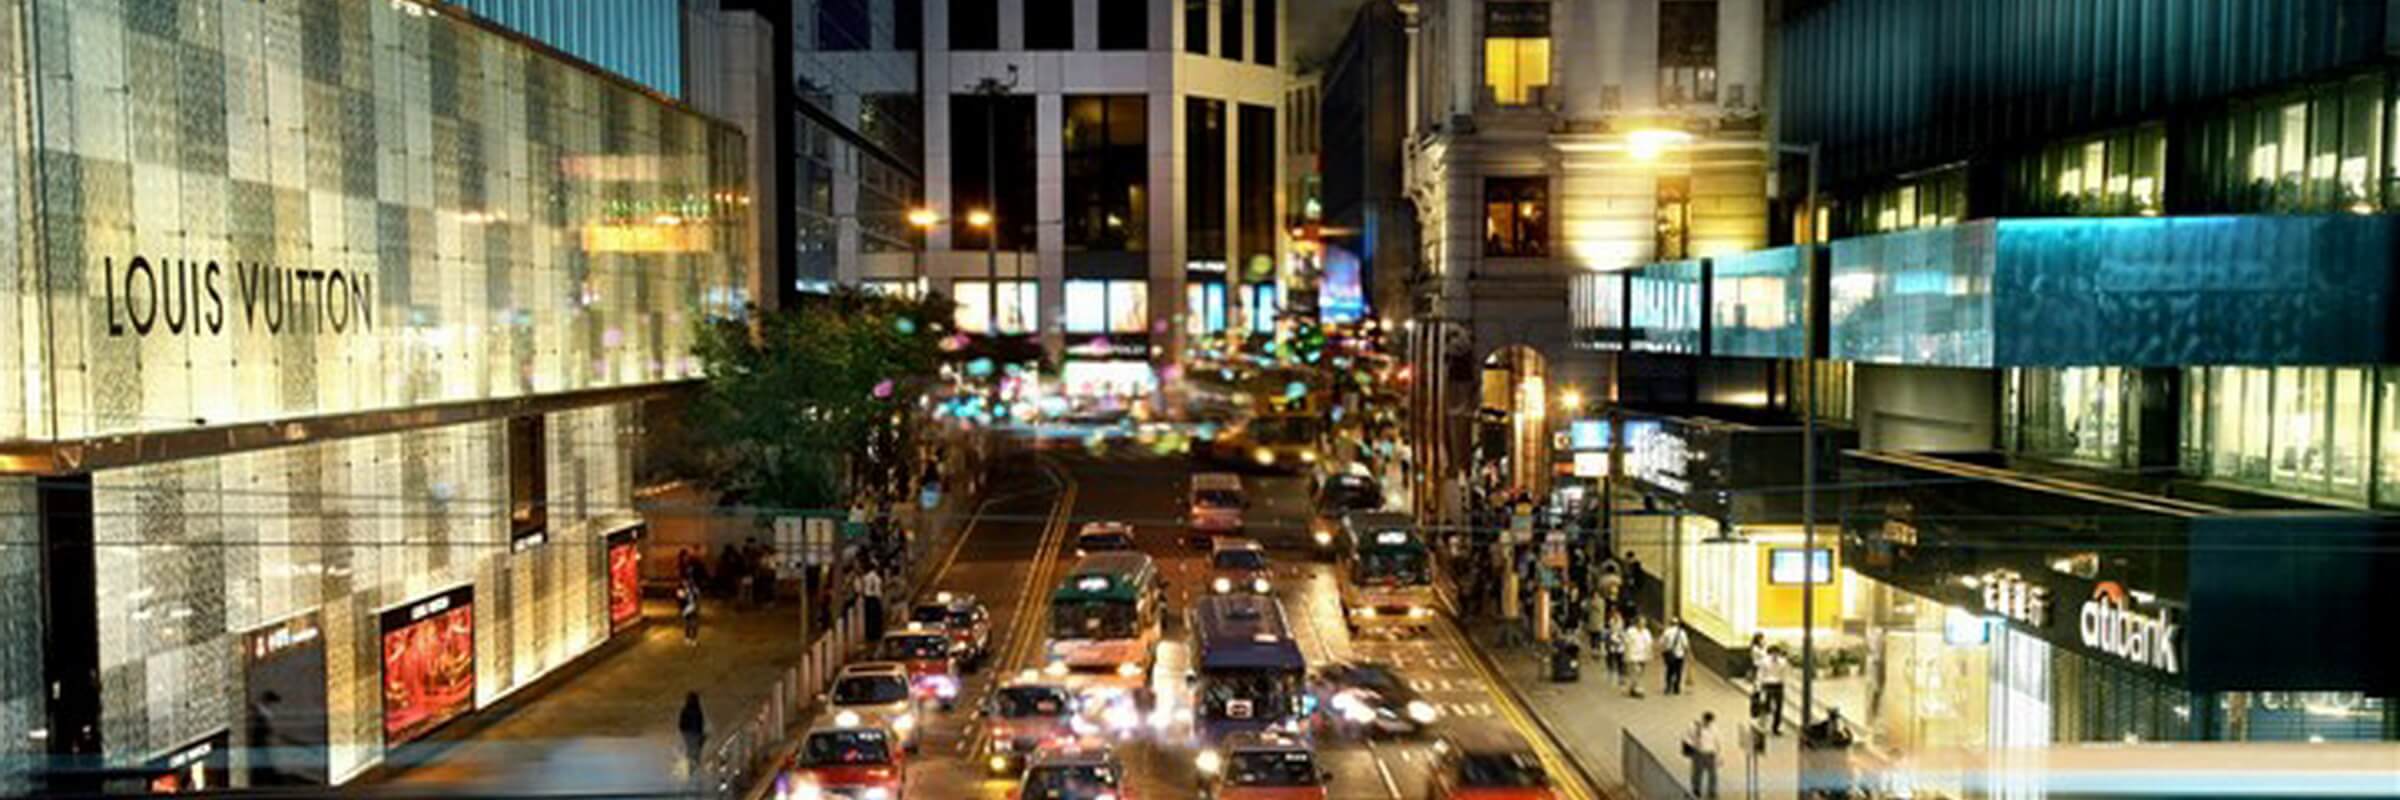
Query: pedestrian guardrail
x=748 y=751
x=1649 y=779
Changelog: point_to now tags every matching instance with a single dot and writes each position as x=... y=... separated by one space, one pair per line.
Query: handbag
x=1688 y=750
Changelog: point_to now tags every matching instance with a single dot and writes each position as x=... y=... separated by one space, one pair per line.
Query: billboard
x=1343 y=297
x=428 y=664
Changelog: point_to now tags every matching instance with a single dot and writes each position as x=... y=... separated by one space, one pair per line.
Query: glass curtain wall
x=2307 y=430
x=2075 y=413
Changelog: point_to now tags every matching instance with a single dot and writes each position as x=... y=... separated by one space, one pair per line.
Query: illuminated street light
x=979 y=218
x=923 y=217
x=1647 y=143
x=1570 y=401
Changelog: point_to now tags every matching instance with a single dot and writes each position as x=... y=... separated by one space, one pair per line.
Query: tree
x=793 y=405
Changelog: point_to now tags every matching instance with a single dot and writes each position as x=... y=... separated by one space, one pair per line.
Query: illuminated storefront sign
x=624 y=579
x=2112 y=624
x=1656 y=456
x=2011 y=596
x=180 y=296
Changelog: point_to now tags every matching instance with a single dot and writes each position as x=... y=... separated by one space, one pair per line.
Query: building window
x=1204 y=311
x=905 y=288
x=1105 y=139
x=528 y=478
x=1107 y=306
x=1516 y=51
x=1673 y=209
x=1195 y=27
x=1687 y=52
x=1229 y=29
x=1125 y=25
x=843 y=25
x=974 y=25
x=1049 y=24
x=2325 y=149
x=2306 y=430
x=1019 y=311
x=2078 y=413
x=1007 y=123
x=1924 y=201
x=908 y=24
x=1263 y=44
x=1255 y=180
x=2115 y=174
x=1204 y=178
x=1262 y=303
x=1516 y=217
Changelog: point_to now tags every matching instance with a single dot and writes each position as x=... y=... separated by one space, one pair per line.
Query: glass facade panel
x=2306 y=430
x=1019 y=306
x=1914 y=297
x=446 y=218
x=1107 y=306
x=1663 y=301
x=1105 y=141
x=1204 y=311
x=1755 y=301
x=2078 y=413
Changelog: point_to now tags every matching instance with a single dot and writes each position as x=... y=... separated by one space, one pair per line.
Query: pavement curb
x=1607 y=790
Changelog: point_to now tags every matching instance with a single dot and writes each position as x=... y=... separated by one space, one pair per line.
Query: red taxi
x=847 y=757
x=1024 y=717
x=926 y=653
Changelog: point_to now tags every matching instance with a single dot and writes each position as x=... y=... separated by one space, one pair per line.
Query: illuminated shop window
x=1107 y=306
x=1516 y=217
x=1019 y=311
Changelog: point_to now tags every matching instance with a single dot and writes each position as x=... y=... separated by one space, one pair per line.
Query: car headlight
x=1363 y=611
x=1258 y=585
x=846 y=719
x=1358 y=712
x=1324 y=539
x=877 y=793
x=904 y=722
x=808 y=791
x=1209 y=762
x=1263 y=455
x=1129 y=670
x=1421 y=711
x=1221 y=585
x=999 y=763
x=1001 y=743
x=1420 y=612
x=1308 y=456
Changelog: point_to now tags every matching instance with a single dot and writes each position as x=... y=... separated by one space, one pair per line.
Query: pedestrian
x=1700 y=745
x=1758 y=656
x=693 y=724
x=870 y=595
x=689 y=596
x=1613 y=647
x=1631 y=592
x=1638 y=644
x=1674 y=647
x=762 y=587
x=1771 y=679
x=730 y=572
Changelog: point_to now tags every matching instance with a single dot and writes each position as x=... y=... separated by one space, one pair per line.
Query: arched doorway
x=1513 y=430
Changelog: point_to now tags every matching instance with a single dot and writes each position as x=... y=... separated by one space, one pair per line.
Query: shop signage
x=2111 y=624
x=184 y=297
x=2009 y=595
x=624 y=579
x=1587 y=435
x=1591 y=465
x=1657 y=456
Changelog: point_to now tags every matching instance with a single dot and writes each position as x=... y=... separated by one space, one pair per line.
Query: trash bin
x=1566 y=662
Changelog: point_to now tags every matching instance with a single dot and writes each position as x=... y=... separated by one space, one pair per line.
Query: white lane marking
x=1389 y=784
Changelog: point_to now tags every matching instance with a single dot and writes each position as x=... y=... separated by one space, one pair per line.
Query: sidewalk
x=1591 y=718
x=612 y=726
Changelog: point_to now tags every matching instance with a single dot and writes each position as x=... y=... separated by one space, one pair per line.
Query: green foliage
x=791 y=401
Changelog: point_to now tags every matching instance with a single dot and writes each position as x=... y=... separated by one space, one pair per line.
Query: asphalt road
x=1019 y=544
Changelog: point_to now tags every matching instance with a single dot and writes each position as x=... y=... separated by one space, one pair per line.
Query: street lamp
x=991 y=89
x=981 y=220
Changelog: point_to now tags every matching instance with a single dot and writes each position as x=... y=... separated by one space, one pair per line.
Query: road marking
x=1554 y=758
x=1389 y=784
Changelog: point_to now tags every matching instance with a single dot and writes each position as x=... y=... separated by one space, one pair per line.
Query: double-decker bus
x=1250 y=675
x=1385 y=570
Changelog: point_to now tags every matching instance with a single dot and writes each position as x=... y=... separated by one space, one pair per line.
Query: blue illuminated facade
x=641 y=40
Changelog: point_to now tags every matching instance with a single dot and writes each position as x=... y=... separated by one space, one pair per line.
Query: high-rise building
x=1136 y=152
x=1551 y=140
x=1362 y=130
x=2104 y=365
x=327 y=361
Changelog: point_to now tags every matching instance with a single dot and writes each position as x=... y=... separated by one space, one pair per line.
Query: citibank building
x=330 y=322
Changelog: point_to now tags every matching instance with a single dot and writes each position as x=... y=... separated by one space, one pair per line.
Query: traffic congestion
x=1191 y=632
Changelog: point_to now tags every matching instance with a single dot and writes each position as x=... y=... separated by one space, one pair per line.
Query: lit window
x=1516 y=217
x=1516 y=51
x=1019 y=312
x=1205 y=307
x=1687 y=52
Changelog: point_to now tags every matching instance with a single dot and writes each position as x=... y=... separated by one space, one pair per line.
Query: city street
x=998 y=563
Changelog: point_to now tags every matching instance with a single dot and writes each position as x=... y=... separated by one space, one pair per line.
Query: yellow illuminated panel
x=1514 y=68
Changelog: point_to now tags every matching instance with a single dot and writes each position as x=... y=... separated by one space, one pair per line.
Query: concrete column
x=846 y=268
x=1087 y=23
x=1167 y=243
x=1049 y=202
x=1637 y=57
x=1012 y=23
x=1465 y=56
x=1575 y=34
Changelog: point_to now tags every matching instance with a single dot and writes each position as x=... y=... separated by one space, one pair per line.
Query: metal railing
x=744 y=757
x=1649 y=779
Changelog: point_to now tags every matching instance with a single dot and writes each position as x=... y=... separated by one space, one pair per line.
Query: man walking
x=1674 y=647
x=1638 y=645
x=1771 y=678
x=1700 y=745
x=870 y=595
x=693 y=724
x=690 y=597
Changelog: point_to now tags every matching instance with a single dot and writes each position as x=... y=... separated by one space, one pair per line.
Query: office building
x=2106 y=352
x=1552 y=140
x=330 y=341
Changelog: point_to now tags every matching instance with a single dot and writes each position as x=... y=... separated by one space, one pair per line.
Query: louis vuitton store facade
x=329 y=324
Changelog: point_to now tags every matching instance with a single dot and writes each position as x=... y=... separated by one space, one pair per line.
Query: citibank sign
x=2111 y=624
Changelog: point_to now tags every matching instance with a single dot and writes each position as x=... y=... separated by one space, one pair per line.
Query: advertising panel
x=624 y=579
x=283 y=669
x=428 y=664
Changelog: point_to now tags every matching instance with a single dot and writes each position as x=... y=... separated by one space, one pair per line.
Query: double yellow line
x=1025 y=624
x=1564 y=774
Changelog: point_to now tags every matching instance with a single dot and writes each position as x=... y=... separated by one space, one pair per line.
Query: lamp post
x=991 y=90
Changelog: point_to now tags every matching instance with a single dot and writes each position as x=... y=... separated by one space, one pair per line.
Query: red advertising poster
x=428 y=664
x=624 y=579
